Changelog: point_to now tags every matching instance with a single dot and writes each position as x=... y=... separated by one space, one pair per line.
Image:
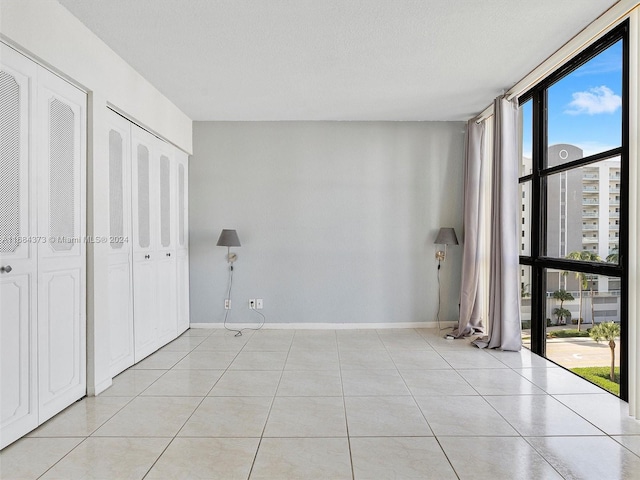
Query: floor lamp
x=446 y=236
x=229 y=238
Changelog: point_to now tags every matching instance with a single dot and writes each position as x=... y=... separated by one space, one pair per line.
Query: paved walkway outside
x=579 y=352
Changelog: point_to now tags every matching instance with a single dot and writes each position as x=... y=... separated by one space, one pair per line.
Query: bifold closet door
x=182 y=277
x=18 y=255
x=144 y=204
x=120 y=240
x=42 y=249
x=61 y=136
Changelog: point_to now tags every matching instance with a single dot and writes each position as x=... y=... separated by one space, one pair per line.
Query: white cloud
x=594 y=101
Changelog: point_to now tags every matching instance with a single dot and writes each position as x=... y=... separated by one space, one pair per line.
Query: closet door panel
x=144 y=222
x=120 y=260
x=166 y=257
x=182 y=254
x=145 y=300
x=61 y=260
x=18 y=249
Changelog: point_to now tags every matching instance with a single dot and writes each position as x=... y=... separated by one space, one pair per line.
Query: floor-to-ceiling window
x=574 y=221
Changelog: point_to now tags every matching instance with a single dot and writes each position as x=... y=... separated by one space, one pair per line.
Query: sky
x=585 y=107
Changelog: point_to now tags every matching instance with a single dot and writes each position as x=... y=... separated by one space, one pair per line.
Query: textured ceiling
x=334 y=59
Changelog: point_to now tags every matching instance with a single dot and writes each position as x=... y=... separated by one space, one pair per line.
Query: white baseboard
x=327 y=326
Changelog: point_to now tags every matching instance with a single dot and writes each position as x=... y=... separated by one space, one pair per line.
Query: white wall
x=337 y=219
x=47 y=32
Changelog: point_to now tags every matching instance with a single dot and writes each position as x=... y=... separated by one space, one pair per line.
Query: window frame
x=537 y=258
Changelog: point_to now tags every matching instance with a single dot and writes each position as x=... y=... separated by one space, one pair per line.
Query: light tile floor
x=352 y=404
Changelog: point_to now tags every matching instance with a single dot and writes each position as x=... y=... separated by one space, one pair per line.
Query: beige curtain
x=504 y=283
x=471 y=287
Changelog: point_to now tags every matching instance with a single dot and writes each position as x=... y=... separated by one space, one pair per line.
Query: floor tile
x=314 y=383
x=31 y=457
x=160 y=361
x=471 y=357
x=418 y=360
x=436 y=382
x=522 y=359
x=307 y=417
x=540 y=415
x=632 y=442
x=259 y=343
x=259 y=361
x=184 y=383
x=373 y=382
x=150 y=417
x=557 y=381
x=492 y=381
x=365 y=360
x=210 y=458
x=496 y=458
x=198 y=332
x=238 y=383
x=404 y=342
x=399 y=458
x=302 y=458
x=223 y=342
x=183 y=344
x=205 y=360
x=132 y=382
x=385 y=417
x=463 y=416
x=95 y=458
x=82 y=418
x=228 y=417
x=588 y=457
x=320 y=340
x=605 y=411
x=305 y=359
x=359 y=340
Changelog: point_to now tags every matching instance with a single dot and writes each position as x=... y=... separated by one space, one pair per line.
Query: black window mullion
x=623 y=241
x=538 y=227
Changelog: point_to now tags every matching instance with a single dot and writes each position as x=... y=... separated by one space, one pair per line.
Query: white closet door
x=18 y=354
x=145 y=295
x=165 y=248
x=120 y=240
x=182 y=244
x=61 y=137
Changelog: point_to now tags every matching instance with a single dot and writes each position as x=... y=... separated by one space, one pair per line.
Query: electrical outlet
x=227 y=304
x=259 y=304
x=252 y=304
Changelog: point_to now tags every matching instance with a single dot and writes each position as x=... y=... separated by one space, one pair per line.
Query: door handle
x=6 y=269
x=147 y=256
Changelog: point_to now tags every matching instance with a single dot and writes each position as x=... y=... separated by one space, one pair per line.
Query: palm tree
x=585 y=256
x=562 y=295
x=613 y=256
x=561 y=313
x=607 y=331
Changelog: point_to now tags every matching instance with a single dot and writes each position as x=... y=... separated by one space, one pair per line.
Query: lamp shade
x=228 y=238
x=446 y=236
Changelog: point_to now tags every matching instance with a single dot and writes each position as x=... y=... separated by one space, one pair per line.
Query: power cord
x=438 y=314
x=226 y=313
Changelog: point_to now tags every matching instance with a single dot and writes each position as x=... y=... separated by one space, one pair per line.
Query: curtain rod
x=609 y=19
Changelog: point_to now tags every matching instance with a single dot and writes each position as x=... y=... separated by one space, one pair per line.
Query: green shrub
x=569 y=333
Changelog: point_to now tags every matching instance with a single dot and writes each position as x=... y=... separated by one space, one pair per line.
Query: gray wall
x=337 y=219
